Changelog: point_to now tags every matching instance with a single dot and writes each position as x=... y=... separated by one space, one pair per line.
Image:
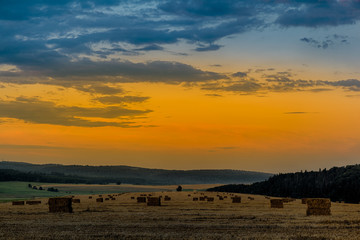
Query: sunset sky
x=263 y=85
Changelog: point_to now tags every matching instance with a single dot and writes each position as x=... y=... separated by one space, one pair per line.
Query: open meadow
x=120 y=216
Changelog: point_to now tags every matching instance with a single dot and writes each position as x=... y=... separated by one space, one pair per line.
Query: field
x=179 y=218
x=19 y=190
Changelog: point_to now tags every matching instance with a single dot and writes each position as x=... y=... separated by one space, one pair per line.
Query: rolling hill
x=136 y=175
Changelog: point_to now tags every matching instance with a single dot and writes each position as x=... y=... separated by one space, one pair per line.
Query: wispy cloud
x=296 y=112
x=329 y=41
x=279 y=82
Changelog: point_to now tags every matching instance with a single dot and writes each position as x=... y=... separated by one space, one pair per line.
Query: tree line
x=337 y=183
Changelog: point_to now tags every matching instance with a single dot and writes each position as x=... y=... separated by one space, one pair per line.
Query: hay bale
x=33 y=202
x=202 y=199
x=276 y=203
x=167 y=198
x=221 y=198
x=318 y=206
x=100 y=200
x=195 y=199
x=132 y=197
x=225 y=196
x=113 y=199
x=236 y=199
x=210 y=199
x=319 y=203
x=76 y=200
x=18 y=202
x=251 y=198
x=90 y=197
x=154 y=201
x=141 y=199
x=61 y=204
x=107 y=199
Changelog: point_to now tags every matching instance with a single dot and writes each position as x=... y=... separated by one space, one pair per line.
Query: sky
x=260 y=85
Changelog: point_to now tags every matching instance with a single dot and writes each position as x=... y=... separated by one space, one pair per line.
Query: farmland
x=178 y=218
x=20 y=190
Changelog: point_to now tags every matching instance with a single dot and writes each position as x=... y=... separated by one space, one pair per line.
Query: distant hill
x=14 y=175
x=338 y=184
x=135 y=175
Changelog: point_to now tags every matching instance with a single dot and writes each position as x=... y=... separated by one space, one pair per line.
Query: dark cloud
x=65 y=73
x=207 y=8
x=211 y=47
x=349 y=84
x=121 y=99
x=213 y=95
x=319 y=13
x=34 y=110
x=126 y=71
x=243 y=86
x=152 y=47
x=96 y=88
x=327 y=42
x=57 y=39
x=239 y=74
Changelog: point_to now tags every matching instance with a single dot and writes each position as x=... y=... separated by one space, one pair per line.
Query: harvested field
x=180 y=218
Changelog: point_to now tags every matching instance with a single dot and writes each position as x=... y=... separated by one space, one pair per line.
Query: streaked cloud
x=279 y=82
x=121 y=99
x=15 y=146
x=295 y=113
x=33 y=110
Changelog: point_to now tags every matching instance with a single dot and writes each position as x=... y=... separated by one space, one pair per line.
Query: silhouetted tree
x=179 y=188
x=338 y=184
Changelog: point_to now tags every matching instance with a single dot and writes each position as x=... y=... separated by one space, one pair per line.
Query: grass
x=10 y=191
x=20 y=191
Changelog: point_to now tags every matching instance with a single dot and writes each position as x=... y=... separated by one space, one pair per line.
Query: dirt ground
x=179 y=218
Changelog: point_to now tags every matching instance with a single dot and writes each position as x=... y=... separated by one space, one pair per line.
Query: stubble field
x=179 y=218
